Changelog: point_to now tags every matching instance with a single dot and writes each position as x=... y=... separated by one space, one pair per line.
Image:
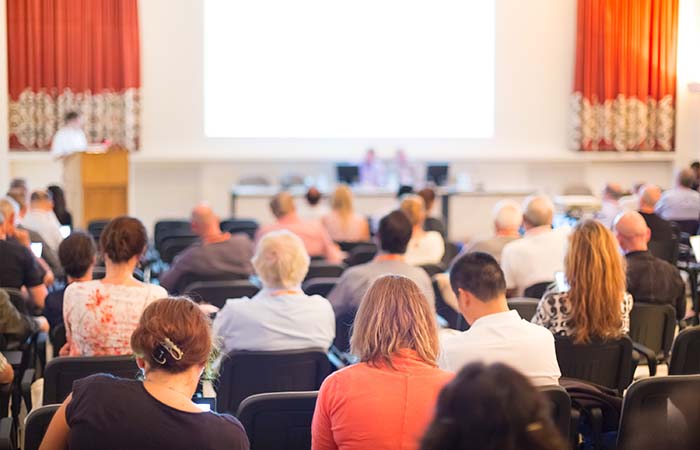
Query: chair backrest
x=668 y=249
x=433 y=269
x=444 y=310
x=687 y=226
x=278 y=420
x=361 y=254
x=99 y=272
x=653 y=326
x=171 y=246
x=319 y=286
x=560 y=404
x=323 y=269
x=537 y=290
x=608 y=363
x=170 y=227
x=95 y=228
x=451 y=252
x=189 y=278
x=247 y=226
x=343 y=329
x=661 y=412
x=35 y=425
x=61 y=372
x=349 y=246
x=58 y=338
x=246 y=373
x=685 y=355
x=217 y=292
x=526 y=307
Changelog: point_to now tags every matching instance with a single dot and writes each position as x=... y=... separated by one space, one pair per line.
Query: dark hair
x=478 y=273
x=20 y=183
x=71 y=115
x=695 y=165
x=40 y=196
x=403 y=190
x=313 y=196
x=173 y=334
x=123 y=238
x=394 y=232
x=59 y=203
x=428 y=197
x=491 y=408
x=77 y=253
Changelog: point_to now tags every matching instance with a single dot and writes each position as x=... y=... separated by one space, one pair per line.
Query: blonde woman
x=342 y=223
x=386 y=400
x=596 y=305
x=425 y=247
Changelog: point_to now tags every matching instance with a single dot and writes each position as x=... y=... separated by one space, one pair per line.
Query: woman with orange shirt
x=387 y=400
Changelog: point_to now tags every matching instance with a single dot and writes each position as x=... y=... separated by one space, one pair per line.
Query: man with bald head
x=540 y=253
x=681 y=203
x=661 y=230
x=649 y=279
x=216 y=254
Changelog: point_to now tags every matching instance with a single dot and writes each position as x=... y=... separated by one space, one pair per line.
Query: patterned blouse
x=100 y=317
x=554 y=310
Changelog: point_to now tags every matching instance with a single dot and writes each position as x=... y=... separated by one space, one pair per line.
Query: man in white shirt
x=540 y=253
x=70 y=138
x=279 y=317
x=496 y=334
x=681 y=202
x=610 y=206
x=42 y=219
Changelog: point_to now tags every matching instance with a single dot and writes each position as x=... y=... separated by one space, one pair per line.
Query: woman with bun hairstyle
x=173 y=346
x=100 y=315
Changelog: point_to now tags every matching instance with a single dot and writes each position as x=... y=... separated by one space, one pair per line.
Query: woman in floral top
x=101 y=315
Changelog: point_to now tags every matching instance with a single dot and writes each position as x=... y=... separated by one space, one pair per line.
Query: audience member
x=596 y=304
x=387 y=399
x=393 y=235
x=431 y=223
x=661 y=230
x=695 y=167
x=631 y=202
x=610 y=204
x=173 y=345
x=280 y=316
x=492 y=408
x=649 y=279
x=682 y=202
x=216 y=253
x=20 y=185
x=77 y=253
x=100 y=315
x=371 y=170
x=314 y=208
x=41 y=219
x=507 y=219
x=59 y=205
x=425 y=247
x=342 y=223
x=16 y=326
x=316 y=239
x=497 y=334
x=540 y=253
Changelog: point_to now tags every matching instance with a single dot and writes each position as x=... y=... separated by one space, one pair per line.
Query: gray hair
x=507 y=215
x=281 y=260
x=539 y=210
x=686 y=178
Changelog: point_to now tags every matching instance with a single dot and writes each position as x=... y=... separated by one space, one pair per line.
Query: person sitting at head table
x=425 y=247
x=316 y=239
x=173 y=345
x=497 y=334
x=342 y=223
x=385 y=401
x=392 y=237
x=42 y=219
x=70 y=138
x=405 y=171
x=216 y=253
x=610 y=204
x=649 y=279
x=281 y=316
x=661 y=230
x=431 y=223
x=540 y=253
x=680 y=203
x=371 y=170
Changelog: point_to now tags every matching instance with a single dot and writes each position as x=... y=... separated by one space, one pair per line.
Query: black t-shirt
x=18 y=267
x=112 y=413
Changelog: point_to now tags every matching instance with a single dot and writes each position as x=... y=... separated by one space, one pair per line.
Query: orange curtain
x=68 y=55
x=625 y=82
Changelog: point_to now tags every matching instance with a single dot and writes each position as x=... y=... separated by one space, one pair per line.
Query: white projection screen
x=349 y=69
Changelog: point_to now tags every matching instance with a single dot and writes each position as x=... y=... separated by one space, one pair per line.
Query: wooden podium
x=96 y=185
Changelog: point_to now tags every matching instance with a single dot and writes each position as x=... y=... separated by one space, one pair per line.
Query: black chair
x=661 y=412
x=57 y=336
x=560 y=403
x=687 y=226
x=279 y=420
x=343 y=330
x=189 y=278
x=170 y=227
x=652 y=327
x=36 y=424
x=95 y=228
x=233 y=226
x=63 y=371
x=433 y=269
x=322 y=269
x=217 y=292
x=361 y=254
x=319 y=286
x=668 y=250
x=537 y=290
x=526 y=307
x=349 y=246
x=685 y=355
x=451 y=251
x=171 y=246
x=453 y=318
x=99 y=272
x=607 y=363
x=246 y=373
x=8 y=436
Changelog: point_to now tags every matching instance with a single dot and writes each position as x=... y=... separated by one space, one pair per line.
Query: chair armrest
x=26 y=387
x=648 y=354
x=335 y=357
x=7 y=439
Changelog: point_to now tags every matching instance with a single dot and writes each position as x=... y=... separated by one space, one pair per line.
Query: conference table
x=466 y=213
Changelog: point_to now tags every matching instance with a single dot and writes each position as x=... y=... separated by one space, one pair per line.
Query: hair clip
x=169 y=346
x=534 y=426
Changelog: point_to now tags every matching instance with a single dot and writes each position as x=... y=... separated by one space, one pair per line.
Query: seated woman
x=100 y=315
x=425 y=247
x=596 y=304
x=173 y=346
x=386 y=400
x=281 y=316
x=491 y=408
x=342 y=223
